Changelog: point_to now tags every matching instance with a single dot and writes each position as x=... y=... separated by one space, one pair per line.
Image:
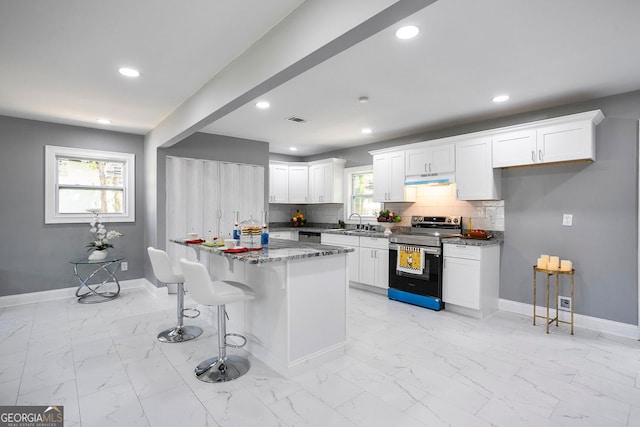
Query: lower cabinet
x=369 y=263
x=471 y=277
x=374 y=262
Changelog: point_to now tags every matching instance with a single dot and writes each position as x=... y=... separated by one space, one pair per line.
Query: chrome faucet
x=360 y=226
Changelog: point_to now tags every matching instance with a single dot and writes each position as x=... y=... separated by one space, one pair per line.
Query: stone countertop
x=340 y=231
x=278 y=250
x=496 y=240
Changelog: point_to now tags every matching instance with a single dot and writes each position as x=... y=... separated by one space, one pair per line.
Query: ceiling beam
x=313 y=33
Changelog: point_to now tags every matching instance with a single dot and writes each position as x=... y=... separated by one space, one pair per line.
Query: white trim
x=626 y=330
x=347 y=195
x=637 y=207
x=56 y=294
x=51 y=215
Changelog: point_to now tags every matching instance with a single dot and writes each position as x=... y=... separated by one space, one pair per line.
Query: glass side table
x=91 y=290
x=550 y=273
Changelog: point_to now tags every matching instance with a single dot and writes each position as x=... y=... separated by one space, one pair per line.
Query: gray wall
x=34 y=256
x=602 y=196
x=208 y=147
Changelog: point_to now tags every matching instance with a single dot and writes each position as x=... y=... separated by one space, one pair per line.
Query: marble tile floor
x=404 y=366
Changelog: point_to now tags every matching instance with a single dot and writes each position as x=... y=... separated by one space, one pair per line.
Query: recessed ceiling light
x=500 y=98
x=363 y=99
x=263 y=104
x=366 y=131
x=129 y=72
x=407 y=32
x=104 y=121
x=293 y=148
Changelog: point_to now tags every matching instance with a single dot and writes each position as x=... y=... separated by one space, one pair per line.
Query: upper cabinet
x=388 y=177
x=278 y=182
x=315 y=182
x=563 y=139
x=326 y=179
x=430 y=159
x=298 y=183
x=476 y=179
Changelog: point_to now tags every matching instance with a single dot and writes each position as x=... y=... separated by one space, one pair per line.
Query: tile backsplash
x=441 y=200
x=437 y=200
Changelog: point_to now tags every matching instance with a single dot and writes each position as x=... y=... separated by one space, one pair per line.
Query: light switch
x=567 y=219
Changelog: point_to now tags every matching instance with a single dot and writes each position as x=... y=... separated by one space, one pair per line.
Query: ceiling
x=60 y=60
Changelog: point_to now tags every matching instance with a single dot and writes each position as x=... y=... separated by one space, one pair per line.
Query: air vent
x=296 y=119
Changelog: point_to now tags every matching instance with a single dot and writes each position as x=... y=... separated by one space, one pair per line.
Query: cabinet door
x=443 y=159
x=367 y=266
x=382 y=268
x=380 y=177
x=565 y=142
x=353 y=263
x=476 y=179
x=515 y=148
x=395 y=178
x=461 y=282
x=316 y=183
x=298 y=184
x=416 y=161
x=327 y=195
x=278 y=183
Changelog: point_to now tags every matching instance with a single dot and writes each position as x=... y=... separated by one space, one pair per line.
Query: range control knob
x=455 y=220
x=448 y=220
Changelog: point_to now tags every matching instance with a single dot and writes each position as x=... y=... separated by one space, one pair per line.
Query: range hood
x=430 y=178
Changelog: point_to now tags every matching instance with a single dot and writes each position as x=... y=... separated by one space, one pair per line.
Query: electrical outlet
x=124 y=266
x=567 y=219
x=564 y=303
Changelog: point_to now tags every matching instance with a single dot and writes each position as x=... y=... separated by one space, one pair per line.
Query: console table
x=90 y=291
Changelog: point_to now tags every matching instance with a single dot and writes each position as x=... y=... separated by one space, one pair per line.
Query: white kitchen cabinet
x=374 y=262
x=563 y=139
x=284 y=234
x=476 y=179
x=278 y=182
x=326 y=178
x=388 y=178
x=430 y=159
x=353 y=258
x=471 y=277
x=298 y=183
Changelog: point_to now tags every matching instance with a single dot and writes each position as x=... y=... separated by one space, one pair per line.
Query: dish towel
x=410 y=259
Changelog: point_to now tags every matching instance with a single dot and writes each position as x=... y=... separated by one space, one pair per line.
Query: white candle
x=541 y=263
x=554 y=260
x=566 y=265
x=545 y=258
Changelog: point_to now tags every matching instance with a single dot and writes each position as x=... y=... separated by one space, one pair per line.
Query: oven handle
x=430 y=250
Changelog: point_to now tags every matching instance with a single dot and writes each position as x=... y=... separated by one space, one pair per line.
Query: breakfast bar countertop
x=278 y=250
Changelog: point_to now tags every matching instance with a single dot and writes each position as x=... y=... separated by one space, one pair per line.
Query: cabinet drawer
x=374 y=242
x=340 y=240
x=462 y=251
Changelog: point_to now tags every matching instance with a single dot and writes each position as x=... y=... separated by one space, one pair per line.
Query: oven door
x=428 y=283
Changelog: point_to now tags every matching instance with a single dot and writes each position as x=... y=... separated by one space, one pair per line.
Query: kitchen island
x=298 y=318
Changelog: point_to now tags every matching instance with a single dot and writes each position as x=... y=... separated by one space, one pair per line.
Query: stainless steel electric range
x=415 y=260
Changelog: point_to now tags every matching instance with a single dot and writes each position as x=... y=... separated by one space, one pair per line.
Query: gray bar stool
x=162 y=269
x=207 y=292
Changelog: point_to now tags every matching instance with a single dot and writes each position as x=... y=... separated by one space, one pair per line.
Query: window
x=81 y=182
x=360 y=192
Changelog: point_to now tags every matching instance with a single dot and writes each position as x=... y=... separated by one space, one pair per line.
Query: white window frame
x=348 y=173
x=51 y=214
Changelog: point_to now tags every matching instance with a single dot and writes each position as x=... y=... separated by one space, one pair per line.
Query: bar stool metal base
x=180 y=334
x=214 y=370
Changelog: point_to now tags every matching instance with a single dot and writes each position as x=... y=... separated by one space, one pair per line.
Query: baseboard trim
x=55 y=294
x=580 y=321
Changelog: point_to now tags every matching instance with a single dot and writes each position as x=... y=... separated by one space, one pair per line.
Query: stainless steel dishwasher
x=309 y=236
